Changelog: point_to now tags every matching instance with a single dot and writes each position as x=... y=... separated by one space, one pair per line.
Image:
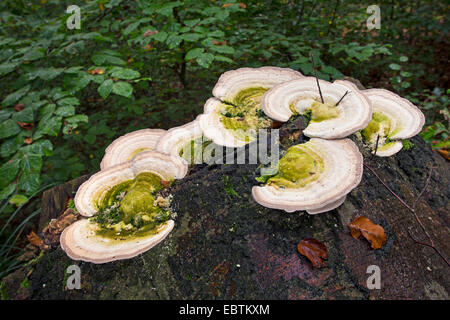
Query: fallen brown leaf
x=34 y=239
x=165 y=183
x=372 y=232
x=26 y=125
x=444 y=153
x=226 y=5
x=150 y=32
x=96 y=71
x=19 y=107
x=314 y=250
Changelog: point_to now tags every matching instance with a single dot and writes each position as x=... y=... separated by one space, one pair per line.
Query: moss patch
x=298 y=167
x=323 y=111
x=244 y=116
x=128 y=210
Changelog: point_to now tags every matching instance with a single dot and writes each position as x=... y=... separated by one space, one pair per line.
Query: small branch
x=376 y=147
x=317 y=79
x=424 y=188
x=342 y=98
x=412 y=209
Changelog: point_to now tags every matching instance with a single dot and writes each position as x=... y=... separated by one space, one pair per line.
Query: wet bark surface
x=226 y=246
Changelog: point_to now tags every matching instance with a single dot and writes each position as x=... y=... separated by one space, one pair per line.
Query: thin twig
x=342 y=98
x=424 y=188
x=317 y=79
x=412 y=209
x=376 y=147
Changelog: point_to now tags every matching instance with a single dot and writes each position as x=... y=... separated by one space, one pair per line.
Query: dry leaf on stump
x=372 y=232
x=314 y=250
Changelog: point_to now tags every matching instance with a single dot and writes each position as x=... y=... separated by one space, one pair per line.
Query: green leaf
x=101 y=59
x=122 y=88
x=160 y=36
x=191 y=23
x=173 y=41
x=49 y=73
x=5 y=193
x=406 y=74
x=65 y=111
x=15 y=96
x=127 y=74
x=5 y=114
x=403 y=58
x=30 y=162
x=7 y=67
x=26 y=115
x=223 y=59
x=9 y=128
x=192 y=37
x=194 y=53
x=105 y=88
x=223 y=49
x=18 y=199
x=405 y=85
x=77 y=118
x=395 y=66
x=131 y=27
x=11 y=145
x=205 y=60
x=44 y=147
x=8 y=171
x=90 y=138
x=30 y=182
x=48 y=126
x=47 y=110
x=34 y=54
x=70 y=101
x=166 y=9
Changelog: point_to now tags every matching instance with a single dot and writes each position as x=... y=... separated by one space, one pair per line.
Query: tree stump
x=226 y=246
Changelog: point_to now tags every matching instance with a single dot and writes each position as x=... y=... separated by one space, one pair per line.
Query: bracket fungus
x=186 y=141
x=233 y=117
x=332 y=119
x=314 y=176
x=126 y=214
x=394 y=118
x=127 y=146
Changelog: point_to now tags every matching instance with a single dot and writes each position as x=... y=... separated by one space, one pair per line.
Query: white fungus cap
x=342 y=172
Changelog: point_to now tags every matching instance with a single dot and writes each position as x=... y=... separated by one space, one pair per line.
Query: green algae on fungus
x=128 y=209
x=193 y=151
x=329 y=120
x=380 y=125
x=323 y=111
x=244 y=116
x=314 y=176
x=298 y=167
x=137 y=151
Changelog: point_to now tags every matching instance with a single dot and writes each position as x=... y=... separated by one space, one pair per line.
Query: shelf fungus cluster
x=394 y=118
x=233 y=116
x=125 y=212
x=125 y=215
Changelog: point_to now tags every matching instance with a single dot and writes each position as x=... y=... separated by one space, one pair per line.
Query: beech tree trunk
x=226 y=246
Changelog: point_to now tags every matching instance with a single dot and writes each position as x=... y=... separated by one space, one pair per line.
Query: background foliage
x=66 y=94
